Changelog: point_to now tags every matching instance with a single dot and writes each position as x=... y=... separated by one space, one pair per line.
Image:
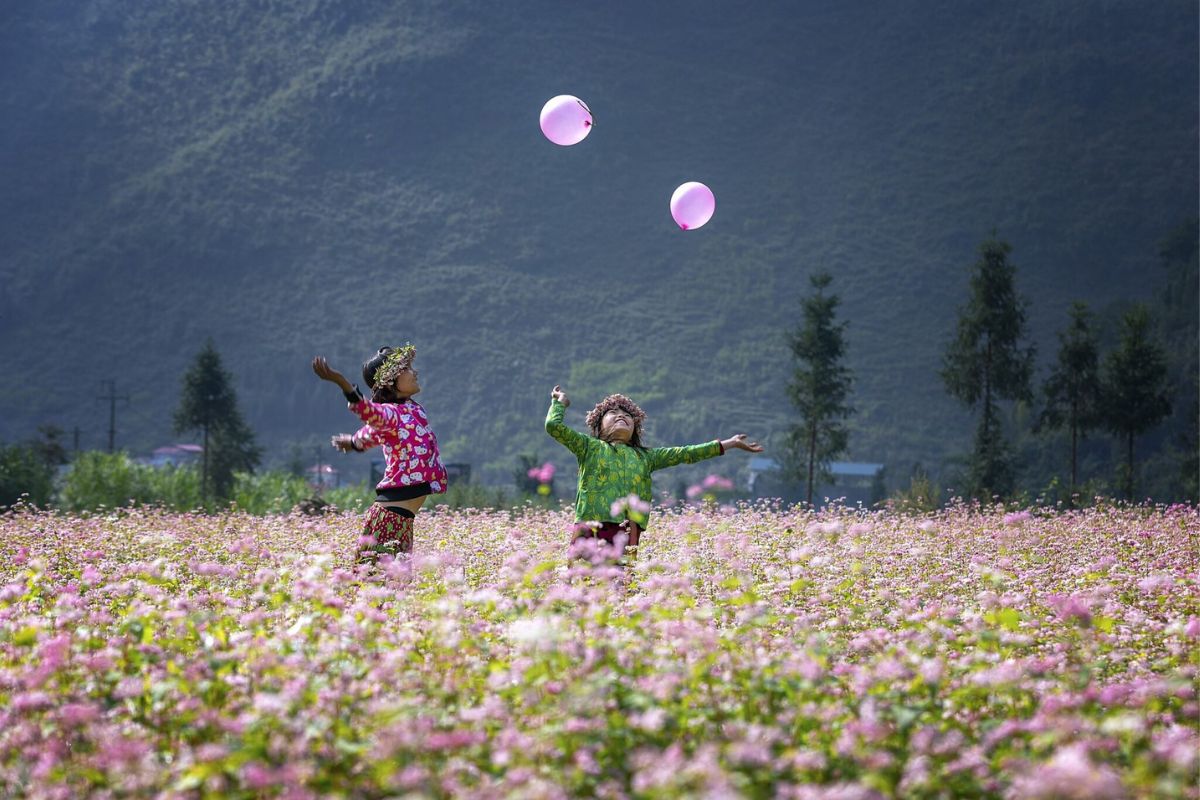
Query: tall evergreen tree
x=209 y=405
x=1135 y=393
x=986 y=363
x=1072 y=392
x=819 y=387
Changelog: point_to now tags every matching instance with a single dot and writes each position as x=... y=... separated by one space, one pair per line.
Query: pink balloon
x=566 y=120
x=692 y=205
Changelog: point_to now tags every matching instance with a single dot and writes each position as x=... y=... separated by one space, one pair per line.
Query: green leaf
x=1009 y=618
x=26 y=636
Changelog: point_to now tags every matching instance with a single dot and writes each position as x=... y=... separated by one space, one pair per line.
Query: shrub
x=921 y=497
x=351 y=498
x=268 y=492
x=24 y=472
x=113 y=480
x=471 y=495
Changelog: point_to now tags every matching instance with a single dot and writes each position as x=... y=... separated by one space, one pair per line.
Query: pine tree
x=986 y=363
x=1135 y=394
x=209 y=404
x=1072 y=391
x=819 y=387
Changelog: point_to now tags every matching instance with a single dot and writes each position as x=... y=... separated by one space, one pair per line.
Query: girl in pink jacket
x=394 y=421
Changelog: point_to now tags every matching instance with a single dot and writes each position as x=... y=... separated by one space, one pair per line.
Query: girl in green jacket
x=614 y=465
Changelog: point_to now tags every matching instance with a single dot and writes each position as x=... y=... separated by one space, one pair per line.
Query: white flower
x=537 y=631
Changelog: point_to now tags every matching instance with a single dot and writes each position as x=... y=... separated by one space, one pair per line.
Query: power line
x=112 y=397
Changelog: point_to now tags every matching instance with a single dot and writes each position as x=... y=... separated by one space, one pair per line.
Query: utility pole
x=112 y=397
x=76 y=441
x=319 y=477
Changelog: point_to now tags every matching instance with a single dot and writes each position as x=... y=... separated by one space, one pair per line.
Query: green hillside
x=325 y=177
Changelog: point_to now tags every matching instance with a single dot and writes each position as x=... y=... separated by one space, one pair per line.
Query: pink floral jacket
x=410 y=449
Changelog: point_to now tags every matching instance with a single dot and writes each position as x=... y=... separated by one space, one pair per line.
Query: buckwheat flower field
x=750 y=653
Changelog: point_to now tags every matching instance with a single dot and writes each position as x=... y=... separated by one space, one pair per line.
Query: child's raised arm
x=662 y=457
x=739 y=442
x=360 y=441
x=573 y=440
x=328 y=373
x=380 y=418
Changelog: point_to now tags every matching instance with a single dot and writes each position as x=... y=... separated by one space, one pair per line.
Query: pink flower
x=717 y=483
x=258 y=776
x=1153 y=584
x=454 y=740
x=1071 y=608
x=124 y=750
x=30 y=701
x=543 y=474
x=128 y=688
x=1178 y=745
x=632 y=503
x=932 y=670
x=78 y=714
x=1070 y=775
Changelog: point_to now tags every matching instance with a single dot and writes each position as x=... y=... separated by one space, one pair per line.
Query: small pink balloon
x=692 y=205
x=566 y=120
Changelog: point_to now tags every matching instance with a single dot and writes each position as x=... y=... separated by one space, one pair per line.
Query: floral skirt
x=624 y=534
x=605 y=531
x=386 y=530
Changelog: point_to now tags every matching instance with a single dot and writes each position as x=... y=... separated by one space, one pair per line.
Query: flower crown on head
x=397 y=361
x=608 y=404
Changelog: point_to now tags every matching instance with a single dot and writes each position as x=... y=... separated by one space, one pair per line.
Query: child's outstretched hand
x=558 y=394
x=343 y=442
x=328 y=373
x=739 y=443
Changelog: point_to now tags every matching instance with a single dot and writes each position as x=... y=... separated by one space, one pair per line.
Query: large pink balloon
x=566 y=120
x=692 y=205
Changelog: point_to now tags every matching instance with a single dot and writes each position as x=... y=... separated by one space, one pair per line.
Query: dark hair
x=610 y=403
x=384 y=394
x=635 y=438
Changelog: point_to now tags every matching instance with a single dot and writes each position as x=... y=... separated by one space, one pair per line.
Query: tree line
x=1127 y=392
x=207 y=408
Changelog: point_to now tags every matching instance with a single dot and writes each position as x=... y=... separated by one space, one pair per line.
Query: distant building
x=323 y=476
x=175 y=455
x=458 y=473
x=853 y=481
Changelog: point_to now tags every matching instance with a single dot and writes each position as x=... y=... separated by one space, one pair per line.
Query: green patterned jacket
x=611 y=472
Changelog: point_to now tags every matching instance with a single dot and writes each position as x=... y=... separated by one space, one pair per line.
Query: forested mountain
x=324 y=177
